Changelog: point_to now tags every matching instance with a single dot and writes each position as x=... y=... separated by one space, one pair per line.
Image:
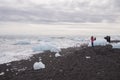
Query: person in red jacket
x=92 y=41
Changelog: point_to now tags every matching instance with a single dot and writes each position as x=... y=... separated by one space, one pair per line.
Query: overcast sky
x=57 y=11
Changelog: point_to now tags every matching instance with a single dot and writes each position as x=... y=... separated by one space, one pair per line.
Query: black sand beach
x=90 y=63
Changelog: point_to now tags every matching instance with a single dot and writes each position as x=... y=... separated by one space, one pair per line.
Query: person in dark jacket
x=108 y=38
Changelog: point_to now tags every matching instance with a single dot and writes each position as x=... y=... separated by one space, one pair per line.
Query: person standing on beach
x=108 y=38
x=92 y=41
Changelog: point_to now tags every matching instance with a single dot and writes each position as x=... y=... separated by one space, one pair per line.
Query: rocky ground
x=91 y=63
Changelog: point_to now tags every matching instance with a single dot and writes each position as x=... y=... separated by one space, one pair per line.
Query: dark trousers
x=92 y=44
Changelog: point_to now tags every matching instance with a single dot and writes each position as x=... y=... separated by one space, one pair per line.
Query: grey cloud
x=116 y=2
x=50 y=14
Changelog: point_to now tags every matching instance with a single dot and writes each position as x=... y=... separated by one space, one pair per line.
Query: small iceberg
x=117 y=45
x=99 y=42
x=22 y=43
x=46 y=46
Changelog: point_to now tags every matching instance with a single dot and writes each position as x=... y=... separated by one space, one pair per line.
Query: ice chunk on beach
x=24 y=42
x=99 y=42
x=116 y=45
x=57 y=54
x=38 y=65
x=46 y=46
x=87 y=57
x=2 y=73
